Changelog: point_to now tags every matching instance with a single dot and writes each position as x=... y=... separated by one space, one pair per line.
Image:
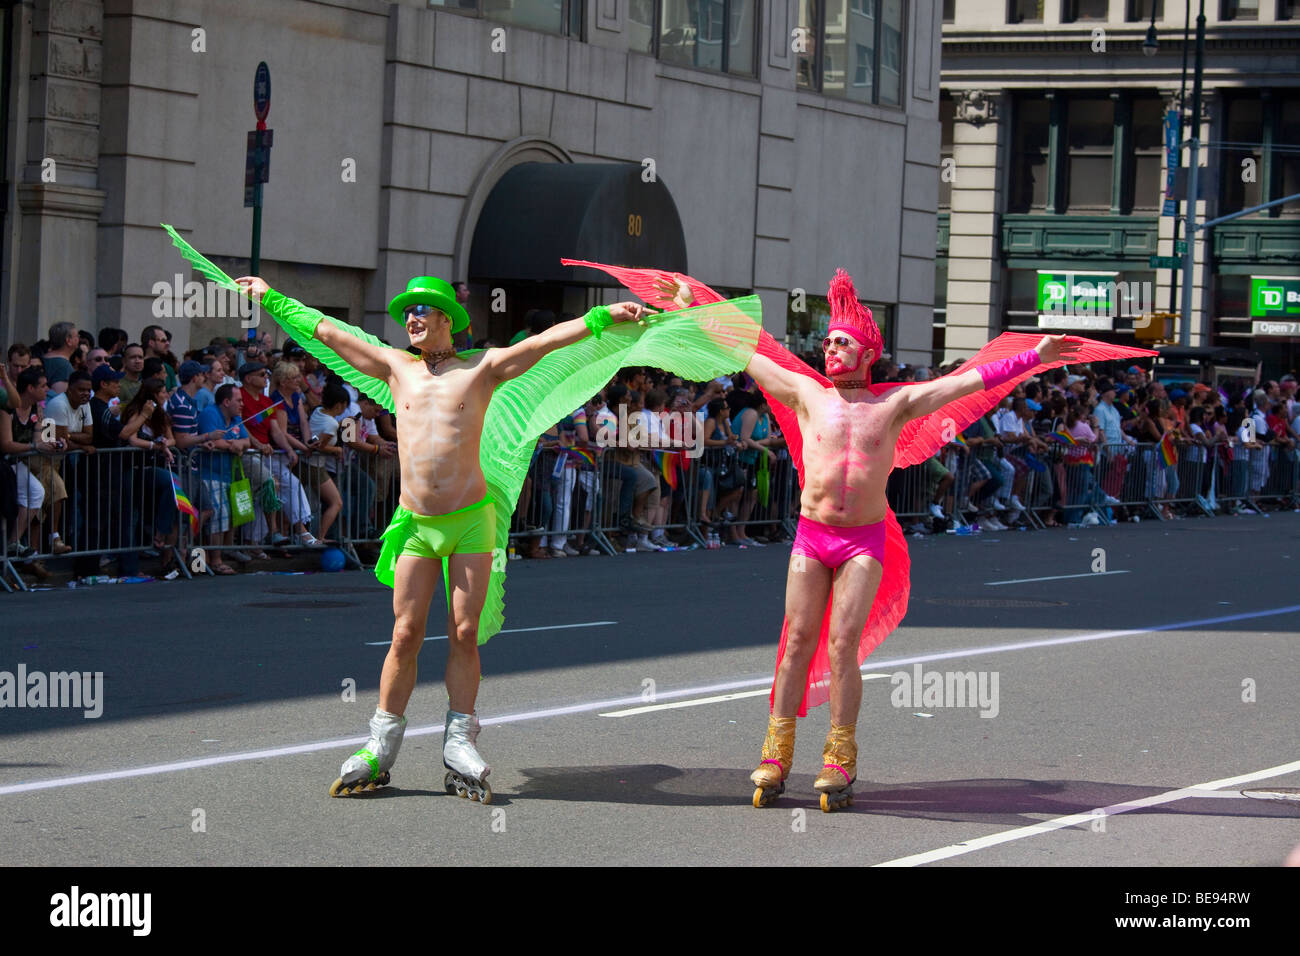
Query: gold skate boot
x=778 y=755
x=835 y=782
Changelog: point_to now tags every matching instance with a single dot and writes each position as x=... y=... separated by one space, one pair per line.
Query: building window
x=1286 y=9
x=708 y=34
x=1090 y=135
x=862 y=72
x=1140 y=10
x=1243 y=157
x=865 y=37
x=1148 y=133
x=947 y=171
x=1030 y=141
x=1085 y=10
x=1239 y=10
x=1086 y=155
x=1025 y=11
x=949 y=10
x=546 y=16
x=1287 y=156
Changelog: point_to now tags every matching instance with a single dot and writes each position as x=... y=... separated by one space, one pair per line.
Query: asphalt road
x=1132 y=709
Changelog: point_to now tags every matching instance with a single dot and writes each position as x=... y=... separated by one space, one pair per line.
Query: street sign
x=1165 y=262
x=1180 y=247
x=257 y=165
x=262 y=93
x=1173 y=157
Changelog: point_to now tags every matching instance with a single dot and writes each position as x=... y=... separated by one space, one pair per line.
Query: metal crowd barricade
x=907 y=492
x=776 y=511
x=370 y=486
x=111 y=501
x=555 y=504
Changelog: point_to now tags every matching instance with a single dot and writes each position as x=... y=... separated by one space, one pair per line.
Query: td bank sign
x=1088 y=300
x=1275 y=306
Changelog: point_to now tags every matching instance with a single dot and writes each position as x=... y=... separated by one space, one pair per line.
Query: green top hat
x=429 y=290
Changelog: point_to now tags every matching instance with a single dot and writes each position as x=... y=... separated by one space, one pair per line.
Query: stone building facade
x=395 y=123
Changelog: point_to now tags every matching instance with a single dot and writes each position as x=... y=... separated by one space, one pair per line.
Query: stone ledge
x=69 y=202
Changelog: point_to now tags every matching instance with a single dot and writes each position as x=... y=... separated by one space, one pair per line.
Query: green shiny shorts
x=469 y=530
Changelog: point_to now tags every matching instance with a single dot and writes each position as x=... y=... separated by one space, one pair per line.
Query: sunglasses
x=420 y=310
x=839 y=340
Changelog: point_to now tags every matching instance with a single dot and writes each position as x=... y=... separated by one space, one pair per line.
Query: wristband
x=598 y=319
x=1004 y=370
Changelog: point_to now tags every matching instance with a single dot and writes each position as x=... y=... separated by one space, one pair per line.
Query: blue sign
x=1173 y=157
x=262 y=92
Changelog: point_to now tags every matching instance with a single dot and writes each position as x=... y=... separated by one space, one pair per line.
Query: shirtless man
x=849 y=434
x=441 y=400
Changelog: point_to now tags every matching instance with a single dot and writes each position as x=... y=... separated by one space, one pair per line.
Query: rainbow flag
x=667 y=463
x=1167 y=453
x=263 y=415
x=1081 y=457
x=960 y=439
x=184 y=506
x=583 y=457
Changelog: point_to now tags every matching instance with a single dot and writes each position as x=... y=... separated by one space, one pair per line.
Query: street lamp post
x=1193 y=181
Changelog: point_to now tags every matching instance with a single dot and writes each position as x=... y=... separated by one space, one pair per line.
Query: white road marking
x=601 y=705
x=706 y=700
x=1055 y=577
x=507 y=630
x=1074 y=819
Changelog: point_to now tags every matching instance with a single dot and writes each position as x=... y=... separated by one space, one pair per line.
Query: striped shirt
x=184 y=414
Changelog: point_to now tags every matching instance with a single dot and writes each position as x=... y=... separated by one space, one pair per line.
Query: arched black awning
x=604 y=212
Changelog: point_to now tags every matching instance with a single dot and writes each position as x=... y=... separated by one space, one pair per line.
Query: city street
x=625 y=705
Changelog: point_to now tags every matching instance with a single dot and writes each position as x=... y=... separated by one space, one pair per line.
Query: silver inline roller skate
x=466 y=770
x=367 y=769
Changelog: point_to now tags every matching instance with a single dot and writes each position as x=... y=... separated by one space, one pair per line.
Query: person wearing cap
x=105 y=407
x=445 y=512
x=257 y=461
x=1114 y=444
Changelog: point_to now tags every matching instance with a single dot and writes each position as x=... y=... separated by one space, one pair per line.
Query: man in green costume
x=466 y=424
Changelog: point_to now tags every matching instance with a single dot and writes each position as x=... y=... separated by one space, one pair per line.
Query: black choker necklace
x=851 y=384
x=433 y=358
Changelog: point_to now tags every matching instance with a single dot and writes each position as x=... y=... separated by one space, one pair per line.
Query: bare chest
x=834 y=425
x=452 y=399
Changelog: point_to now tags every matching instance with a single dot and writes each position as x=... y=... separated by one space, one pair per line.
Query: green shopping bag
x=764 y=480
x=241 y=496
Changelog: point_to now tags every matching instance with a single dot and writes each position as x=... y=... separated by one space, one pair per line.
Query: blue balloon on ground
x=332 y=559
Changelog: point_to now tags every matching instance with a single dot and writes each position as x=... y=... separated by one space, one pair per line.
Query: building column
x=59 y=199
x=154 y=54
x=974 y=246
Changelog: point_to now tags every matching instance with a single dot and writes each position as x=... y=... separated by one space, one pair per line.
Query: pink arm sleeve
x=1003 y=370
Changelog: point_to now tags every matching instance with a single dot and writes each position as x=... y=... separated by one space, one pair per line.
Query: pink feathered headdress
x=850 y=315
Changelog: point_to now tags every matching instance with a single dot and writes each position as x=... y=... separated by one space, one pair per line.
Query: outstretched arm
x=507 y=363
x=917 y=401
x=778 y=381
x=305 y=324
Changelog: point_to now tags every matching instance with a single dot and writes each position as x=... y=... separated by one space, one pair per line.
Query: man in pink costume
x=847 y=585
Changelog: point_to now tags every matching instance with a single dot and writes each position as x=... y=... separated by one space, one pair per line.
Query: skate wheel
x=336 y=788
x=826 y=803
x=486 y=796
x=759 y=800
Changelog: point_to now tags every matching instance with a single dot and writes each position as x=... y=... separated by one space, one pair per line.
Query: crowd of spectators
x=110 y=442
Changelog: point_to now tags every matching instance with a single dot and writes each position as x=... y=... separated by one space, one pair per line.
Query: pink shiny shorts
x=833 y=545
